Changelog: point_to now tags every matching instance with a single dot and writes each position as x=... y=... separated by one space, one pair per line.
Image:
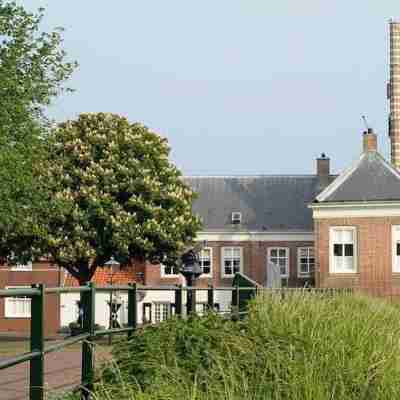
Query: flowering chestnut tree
x=112 y=192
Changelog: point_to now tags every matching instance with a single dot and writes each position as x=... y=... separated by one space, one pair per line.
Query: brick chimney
x=369 y=141
x=323 y=165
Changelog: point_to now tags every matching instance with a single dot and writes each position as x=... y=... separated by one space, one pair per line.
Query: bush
x=303 y=347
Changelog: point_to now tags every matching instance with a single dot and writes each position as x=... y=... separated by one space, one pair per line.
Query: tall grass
x=305 y=346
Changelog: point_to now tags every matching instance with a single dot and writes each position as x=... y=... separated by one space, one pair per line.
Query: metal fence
x=242 y=291
x=38 y=295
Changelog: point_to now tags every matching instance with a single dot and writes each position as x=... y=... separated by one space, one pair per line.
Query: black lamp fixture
x=114 y=303
x=191 y=270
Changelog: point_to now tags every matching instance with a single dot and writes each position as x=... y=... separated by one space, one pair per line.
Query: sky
x=239 y=87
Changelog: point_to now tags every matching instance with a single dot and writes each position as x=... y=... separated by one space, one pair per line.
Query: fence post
x=190 y=300
x=210 y=298
x=238 y=300
x=88 y=305
x=36 y=380
x=178 y=300
x=132 y=308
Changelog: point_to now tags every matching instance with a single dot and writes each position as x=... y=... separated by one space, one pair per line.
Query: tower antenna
x=365 y=122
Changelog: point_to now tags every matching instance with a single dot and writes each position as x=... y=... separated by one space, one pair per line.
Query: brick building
x=357 y=225
x=316 y=229
x=15 y=312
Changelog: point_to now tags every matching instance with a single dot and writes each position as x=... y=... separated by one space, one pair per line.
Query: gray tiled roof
x=277 y=203
x=372 y=178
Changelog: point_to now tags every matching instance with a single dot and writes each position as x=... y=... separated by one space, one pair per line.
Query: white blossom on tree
x=112 y=192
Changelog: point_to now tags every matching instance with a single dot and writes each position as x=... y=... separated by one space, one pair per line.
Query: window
x=305 y=261
x=17 y=307
x=231 y=261
x=205 y=259
x=161 y=311
x=280 y=257
x=342 y=242
x=22 y=267
x=396 y=248
x=169 y=271
x=146 y=313
x=236 y=218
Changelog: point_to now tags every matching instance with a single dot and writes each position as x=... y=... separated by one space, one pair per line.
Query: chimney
x=323 y=165
x=394 y=93
x=369 y=141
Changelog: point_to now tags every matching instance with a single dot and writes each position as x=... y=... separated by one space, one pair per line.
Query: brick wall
x=42 y=272
x=374 y=254
x=254 y=263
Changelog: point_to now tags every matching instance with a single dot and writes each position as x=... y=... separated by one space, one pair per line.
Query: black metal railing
x=38 y=295
x=242 y=291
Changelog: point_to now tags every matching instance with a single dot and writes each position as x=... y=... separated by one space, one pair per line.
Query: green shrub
x=303 y=347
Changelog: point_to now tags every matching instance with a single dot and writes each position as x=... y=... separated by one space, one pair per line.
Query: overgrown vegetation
x=303 y=347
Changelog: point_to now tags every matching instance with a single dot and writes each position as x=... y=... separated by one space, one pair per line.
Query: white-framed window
x=162 y=311
x=232 y=261
x=236 y=217
x=396 y=248
x=205 y=259
x=22 y=267
x=169 y=272
x=17 y=307
x=280 y=256
x=305 y=261
x=342 y=250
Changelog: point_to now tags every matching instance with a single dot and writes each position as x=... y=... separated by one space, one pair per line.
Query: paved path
x=62 y=370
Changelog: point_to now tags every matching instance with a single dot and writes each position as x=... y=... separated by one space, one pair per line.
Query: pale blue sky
x=237 y=87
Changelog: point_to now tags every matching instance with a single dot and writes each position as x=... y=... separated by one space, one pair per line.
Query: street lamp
x=114 y=305
x=191 y=270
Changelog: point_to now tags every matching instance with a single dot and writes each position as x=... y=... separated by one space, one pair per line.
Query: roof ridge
x=374 y=177
x=389 y=166
x=340 y=180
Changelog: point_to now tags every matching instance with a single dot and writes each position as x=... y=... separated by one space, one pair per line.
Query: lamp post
x=111 y=263
x=191 y=270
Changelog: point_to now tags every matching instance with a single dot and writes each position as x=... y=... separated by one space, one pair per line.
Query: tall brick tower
x=394 y=93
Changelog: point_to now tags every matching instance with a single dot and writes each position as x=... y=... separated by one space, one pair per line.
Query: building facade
x=357 y=226
x=15 y=312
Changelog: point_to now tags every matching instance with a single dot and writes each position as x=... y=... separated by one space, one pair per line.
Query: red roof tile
x=106 y=276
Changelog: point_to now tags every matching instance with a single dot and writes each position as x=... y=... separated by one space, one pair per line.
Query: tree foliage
x=33 y=71
x=112 y=192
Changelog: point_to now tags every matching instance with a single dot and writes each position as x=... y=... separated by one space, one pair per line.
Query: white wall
x=69 y=308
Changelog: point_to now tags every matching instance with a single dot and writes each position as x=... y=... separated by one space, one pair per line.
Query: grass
x=305 y=347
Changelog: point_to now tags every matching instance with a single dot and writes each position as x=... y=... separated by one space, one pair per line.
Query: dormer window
x=236 y=218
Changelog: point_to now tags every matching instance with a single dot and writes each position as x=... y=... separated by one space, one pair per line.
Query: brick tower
x=394 y=93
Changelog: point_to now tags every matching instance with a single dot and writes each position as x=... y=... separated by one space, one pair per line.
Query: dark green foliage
x=33 y=70
x=187 y=345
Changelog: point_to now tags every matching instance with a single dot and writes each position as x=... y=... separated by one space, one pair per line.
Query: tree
x=33 y=71
x=112 y=192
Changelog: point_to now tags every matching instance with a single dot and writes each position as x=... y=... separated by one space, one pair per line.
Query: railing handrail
x=19 y=292
x=88 y=295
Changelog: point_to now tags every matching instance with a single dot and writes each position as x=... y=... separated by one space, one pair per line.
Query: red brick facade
x=373 y=250
x=42 y=272
x=254 y=263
